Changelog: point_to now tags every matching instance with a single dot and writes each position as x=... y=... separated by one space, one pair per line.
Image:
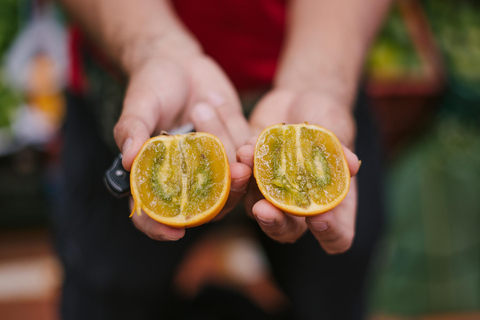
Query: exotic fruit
x=181 y=180
x=301 y=168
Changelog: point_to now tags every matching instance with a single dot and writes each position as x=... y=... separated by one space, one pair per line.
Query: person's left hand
x=334 y=229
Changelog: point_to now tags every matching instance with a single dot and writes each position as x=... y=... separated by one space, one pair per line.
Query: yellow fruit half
x=181 y=180
x=301 y=168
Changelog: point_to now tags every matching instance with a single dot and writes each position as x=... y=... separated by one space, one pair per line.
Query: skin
x=317 y=82
x=171 y=82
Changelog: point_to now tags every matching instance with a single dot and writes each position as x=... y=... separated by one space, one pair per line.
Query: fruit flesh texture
x=180 y=176
x=301 y=167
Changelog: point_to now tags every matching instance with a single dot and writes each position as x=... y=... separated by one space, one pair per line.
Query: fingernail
x=215 y=98
x=127 y=145
x=266 y=222
x=203 y=112
x=320 y=225
x=359 y=164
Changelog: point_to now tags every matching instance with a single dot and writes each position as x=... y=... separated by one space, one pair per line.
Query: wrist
x=175 y=45
x=324 y=94
x=332 y=79
x=313 y=105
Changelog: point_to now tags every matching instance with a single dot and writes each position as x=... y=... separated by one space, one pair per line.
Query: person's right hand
x=169 y=88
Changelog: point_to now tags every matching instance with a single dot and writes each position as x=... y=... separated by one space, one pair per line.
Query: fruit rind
x=265 y=177
x=180 y=221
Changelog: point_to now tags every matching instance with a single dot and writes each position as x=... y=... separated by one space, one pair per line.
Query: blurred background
x=423 y=80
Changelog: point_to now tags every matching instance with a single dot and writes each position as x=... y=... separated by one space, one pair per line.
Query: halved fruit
x=301 y=168
x=181 y=180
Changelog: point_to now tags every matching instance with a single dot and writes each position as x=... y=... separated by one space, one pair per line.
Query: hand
x=334 y=229
x=168 y=90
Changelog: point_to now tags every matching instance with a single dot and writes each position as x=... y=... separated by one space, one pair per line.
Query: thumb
x=352 y=160
x=130 y=134
x=152 y=91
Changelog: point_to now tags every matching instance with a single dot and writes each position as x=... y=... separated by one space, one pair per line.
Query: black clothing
x=113 y=271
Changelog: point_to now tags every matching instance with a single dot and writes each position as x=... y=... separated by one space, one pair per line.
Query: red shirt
x=243 y=36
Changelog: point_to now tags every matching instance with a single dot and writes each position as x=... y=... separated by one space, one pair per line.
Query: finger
x=131 y=132
x=211 y=85
x=276 y=224
x=335 y=229
x=272 y=109
x=252 y=196
x=331 y=234
x=252 y=140
x=245 y=155
x=231 y=117
x=206 y=119
x=352 y=160
x=151 y=91
x=156 y=230
x=240 y=175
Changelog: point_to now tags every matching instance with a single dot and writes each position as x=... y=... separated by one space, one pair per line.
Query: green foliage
x=393 y=55
x=9 y=101
x=457 y=29
x=9 y=23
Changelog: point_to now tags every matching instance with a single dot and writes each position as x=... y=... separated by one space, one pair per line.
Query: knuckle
x=330 y=236
x=276 y=233
x=129 y=126
x=283 y=235
x=153 y=233
x=340 y=245
x=119 y=129
x=154 y=236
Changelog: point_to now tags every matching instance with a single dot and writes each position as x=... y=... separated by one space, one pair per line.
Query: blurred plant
x=9 y=102
x=393 y=54
x=9 y=23
x=9 y=26
x=456 y=24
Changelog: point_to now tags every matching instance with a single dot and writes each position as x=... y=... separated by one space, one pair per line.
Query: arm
x=317 y=79
x=170 y=82
x=131 y=31
x=323 y=55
